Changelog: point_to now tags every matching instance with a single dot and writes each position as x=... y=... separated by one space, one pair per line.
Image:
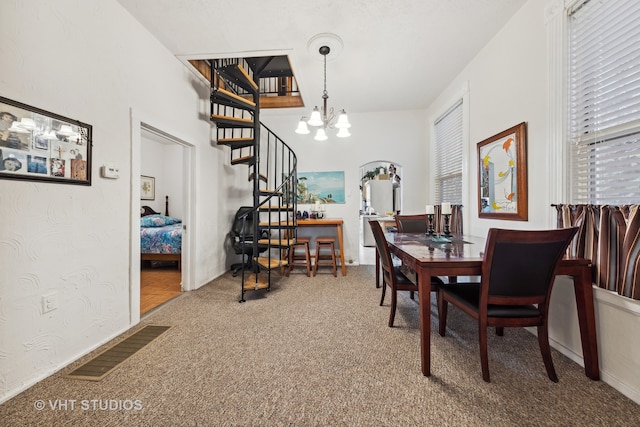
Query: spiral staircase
x=237 y=88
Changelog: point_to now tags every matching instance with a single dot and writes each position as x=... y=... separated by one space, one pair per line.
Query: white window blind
x=604 y=101
x=448 y=153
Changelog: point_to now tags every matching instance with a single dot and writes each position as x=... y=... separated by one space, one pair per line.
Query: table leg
x=586 y=318
x=344 y=266
x=424 y=298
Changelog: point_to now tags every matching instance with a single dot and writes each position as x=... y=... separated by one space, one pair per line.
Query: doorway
x=168 y=160
x=380 y=197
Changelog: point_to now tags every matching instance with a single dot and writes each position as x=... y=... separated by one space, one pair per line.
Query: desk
x=328 y=222
x=458 y=259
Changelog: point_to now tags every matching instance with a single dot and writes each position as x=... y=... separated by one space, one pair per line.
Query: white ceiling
x=397 y=54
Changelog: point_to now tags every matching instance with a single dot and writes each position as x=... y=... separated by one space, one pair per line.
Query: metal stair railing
x=272 y=162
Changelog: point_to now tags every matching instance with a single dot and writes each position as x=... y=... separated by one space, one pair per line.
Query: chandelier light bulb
x=321 y=135
x=343 y=121
x=343 y=133
x=302 y=127
x=315 y=119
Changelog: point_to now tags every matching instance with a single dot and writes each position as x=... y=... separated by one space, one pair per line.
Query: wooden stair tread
x=261 y=177
x=235 y=73
x=276 y=208
x=236 y=142
x=276 y=224
x=225 y=97
x=251 y=284
x=231 y=122
x=270 y=192
x=276 y=242
x=245 y=159
x=272 y=262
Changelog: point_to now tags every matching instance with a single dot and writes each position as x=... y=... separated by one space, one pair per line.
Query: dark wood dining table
x=463 y=256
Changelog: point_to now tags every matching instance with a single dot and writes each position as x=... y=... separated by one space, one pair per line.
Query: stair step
x=236 y=142
x=228 y=122
x=282 y=243
x=230 y=99
x=236 y=74
x=271 y=208
x=262 y=177
x=276 y=224
x=270 y=192
x=248 y=160
x=251 y=284
x=272 y=262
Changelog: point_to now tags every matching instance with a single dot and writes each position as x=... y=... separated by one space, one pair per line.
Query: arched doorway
x=380 y=196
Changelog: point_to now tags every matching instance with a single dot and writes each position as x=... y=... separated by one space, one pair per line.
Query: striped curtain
x=455 y=222
x=610 y=237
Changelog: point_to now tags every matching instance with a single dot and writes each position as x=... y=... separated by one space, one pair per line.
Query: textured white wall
x=92 y=62
x=507 y=85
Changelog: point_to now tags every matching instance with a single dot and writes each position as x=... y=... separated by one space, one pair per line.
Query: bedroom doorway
x=165 y=161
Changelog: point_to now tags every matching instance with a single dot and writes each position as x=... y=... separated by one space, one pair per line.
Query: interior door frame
x=140 y=122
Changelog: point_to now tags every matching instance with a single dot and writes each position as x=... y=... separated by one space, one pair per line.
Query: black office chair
x=242 y=239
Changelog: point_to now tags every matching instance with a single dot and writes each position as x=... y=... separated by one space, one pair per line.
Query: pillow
x=158 y=221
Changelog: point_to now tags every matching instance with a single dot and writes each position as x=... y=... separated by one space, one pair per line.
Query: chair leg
x=545 y=349
x=499 y=331
x=443 y=306
x=484 y=356
x=392 y=313
x=384 y=289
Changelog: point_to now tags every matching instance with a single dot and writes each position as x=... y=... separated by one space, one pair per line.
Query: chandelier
x=326 y=118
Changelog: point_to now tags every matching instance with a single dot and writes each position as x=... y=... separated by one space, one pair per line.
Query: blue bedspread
x=160 y=235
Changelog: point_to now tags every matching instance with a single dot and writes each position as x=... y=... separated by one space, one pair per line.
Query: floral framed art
x=502 y=175
x=147 y=188
x=37 y=145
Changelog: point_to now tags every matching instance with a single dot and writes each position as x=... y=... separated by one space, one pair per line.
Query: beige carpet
x=317 y=352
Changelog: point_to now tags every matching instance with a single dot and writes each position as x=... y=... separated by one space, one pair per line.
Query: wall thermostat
x=110 y=171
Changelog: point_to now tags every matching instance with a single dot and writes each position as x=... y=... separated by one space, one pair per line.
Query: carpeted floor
x=317 y=352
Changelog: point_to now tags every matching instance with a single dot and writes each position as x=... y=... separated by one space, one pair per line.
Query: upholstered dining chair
x=392 y=276
x=518 y=272
x=411 y=223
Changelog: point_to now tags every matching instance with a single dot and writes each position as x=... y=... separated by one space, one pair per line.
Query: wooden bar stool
x=328 y=244
x=297 y=259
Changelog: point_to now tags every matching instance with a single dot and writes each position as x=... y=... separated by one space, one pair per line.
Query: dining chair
x=518 y=272
x=411 y=223
x=392 y=276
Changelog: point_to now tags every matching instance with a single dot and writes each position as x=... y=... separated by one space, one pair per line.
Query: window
x=448 y=153
x=604 y=101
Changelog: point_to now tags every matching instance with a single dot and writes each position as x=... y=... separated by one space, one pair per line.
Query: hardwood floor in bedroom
x=158 y=284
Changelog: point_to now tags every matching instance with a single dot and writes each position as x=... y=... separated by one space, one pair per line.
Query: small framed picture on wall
x=147 y=188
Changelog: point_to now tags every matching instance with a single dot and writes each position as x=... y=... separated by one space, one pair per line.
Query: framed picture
x=502 y=175
x=147 y=188
x=37 y=145
x=321 y=187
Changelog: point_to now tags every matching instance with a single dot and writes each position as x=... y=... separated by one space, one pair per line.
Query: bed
x=160 y=235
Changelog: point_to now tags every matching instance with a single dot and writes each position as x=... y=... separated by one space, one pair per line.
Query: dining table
x=454 y=256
